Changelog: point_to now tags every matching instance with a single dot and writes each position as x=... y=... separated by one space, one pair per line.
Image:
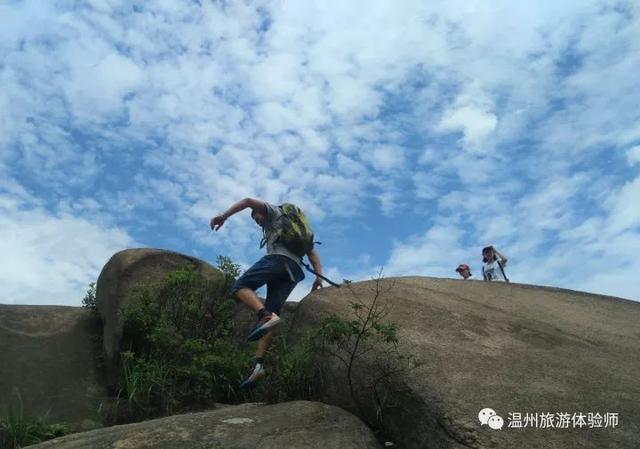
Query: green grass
x=18 y=429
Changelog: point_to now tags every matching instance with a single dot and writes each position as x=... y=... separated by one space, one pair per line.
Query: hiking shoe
x=262 y=326
x=252 y=376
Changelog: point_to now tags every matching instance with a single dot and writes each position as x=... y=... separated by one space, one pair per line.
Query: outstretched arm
x=217 y=221
x=314 y=258
x=503 y=259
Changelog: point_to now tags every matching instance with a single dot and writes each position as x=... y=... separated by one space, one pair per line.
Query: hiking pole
x=319 y=275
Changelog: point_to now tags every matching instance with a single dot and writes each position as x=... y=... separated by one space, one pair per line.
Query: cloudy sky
x=412 y=133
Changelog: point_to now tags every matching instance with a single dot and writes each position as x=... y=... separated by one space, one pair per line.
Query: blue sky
x=412 y=133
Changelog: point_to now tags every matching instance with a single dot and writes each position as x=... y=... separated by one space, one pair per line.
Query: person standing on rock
x=464 y=271
x=494 y=264
x=288 y=238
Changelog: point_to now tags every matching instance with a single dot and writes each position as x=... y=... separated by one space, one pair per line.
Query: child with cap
x=464 y=271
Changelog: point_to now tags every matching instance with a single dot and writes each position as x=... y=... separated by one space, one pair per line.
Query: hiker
x=494 y=263
x=280 y=270
x=464 y=271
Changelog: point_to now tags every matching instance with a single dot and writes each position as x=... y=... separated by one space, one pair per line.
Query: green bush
x=178 y=346
x=180 y=352
x=292 y=370
x=89 y=300
x=230 y=269
x=18 y=429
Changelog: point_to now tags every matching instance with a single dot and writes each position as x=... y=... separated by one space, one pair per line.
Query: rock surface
x=125 y=272
x=290 y=425
x=47 y=357
x=513 y=348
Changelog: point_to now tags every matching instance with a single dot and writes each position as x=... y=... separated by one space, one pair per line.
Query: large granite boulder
x=289 y=425
x=509 y=347
x=48 y=362
x=119 y=279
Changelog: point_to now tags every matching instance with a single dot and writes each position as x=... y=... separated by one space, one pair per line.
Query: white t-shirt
x=492 y=272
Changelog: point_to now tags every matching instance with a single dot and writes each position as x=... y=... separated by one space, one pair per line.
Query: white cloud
x=475 y=123
x=51 y=258
x=472 y=114
x=435 y=253
x=624 y=206
x=276 y=118
x=426 y=186
x=276 y=77
x=98 y=85
x=633 y=155
x=428 y=156
x=204 y=104
x=386 y=158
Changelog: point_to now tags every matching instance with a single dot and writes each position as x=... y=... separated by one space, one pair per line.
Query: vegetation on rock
x=178 y=350
x=19 y=429
x=367 y=342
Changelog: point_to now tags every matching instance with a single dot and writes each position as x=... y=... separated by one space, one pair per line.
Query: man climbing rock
x=287 y=236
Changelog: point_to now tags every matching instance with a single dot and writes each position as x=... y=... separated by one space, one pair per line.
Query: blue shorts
x=281 y=275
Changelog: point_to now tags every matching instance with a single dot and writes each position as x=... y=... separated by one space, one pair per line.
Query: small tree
x=89 y=300
x=367 y=335
x=228 y=267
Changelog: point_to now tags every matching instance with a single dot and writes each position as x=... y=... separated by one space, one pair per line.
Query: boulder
x=509 y=347
x=125 y=272
x=288 y=425
x=48 y=361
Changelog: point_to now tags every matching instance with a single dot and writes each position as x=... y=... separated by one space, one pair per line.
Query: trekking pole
x=319 y=275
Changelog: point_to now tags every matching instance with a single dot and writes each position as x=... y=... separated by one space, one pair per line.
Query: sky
x=412 y=133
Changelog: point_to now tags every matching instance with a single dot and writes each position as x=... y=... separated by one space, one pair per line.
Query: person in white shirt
x=494 y=265
x=464 y=271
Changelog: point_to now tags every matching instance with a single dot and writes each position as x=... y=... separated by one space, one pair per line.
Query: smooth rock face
x=289 y=425
x=125 y=272
x=47 y=357
x=509 y=347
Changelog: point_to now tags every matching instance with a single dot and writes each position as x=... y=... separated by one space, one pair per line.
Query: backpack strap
x=263 y=240
x=502 y=270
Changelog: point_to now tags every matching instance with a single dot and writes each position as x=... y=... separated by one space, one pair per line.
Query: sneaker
x=262 y=326
x=252 y=377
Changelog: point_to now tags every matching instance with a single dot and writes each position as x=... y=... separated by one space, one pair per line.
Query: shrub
x=178 y=346
x=89 y=300
x=292 y=370
x=18 y=429
x=230 y=269
x=180 y=352
x=367 y=336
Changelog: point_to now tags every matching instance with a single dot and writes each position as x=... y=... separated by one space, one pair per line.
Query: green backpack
x=293 y=230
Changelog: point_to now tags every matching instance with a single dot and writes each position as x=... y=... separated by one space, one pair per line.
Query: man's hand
x=316 y=284
x=217 y=222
